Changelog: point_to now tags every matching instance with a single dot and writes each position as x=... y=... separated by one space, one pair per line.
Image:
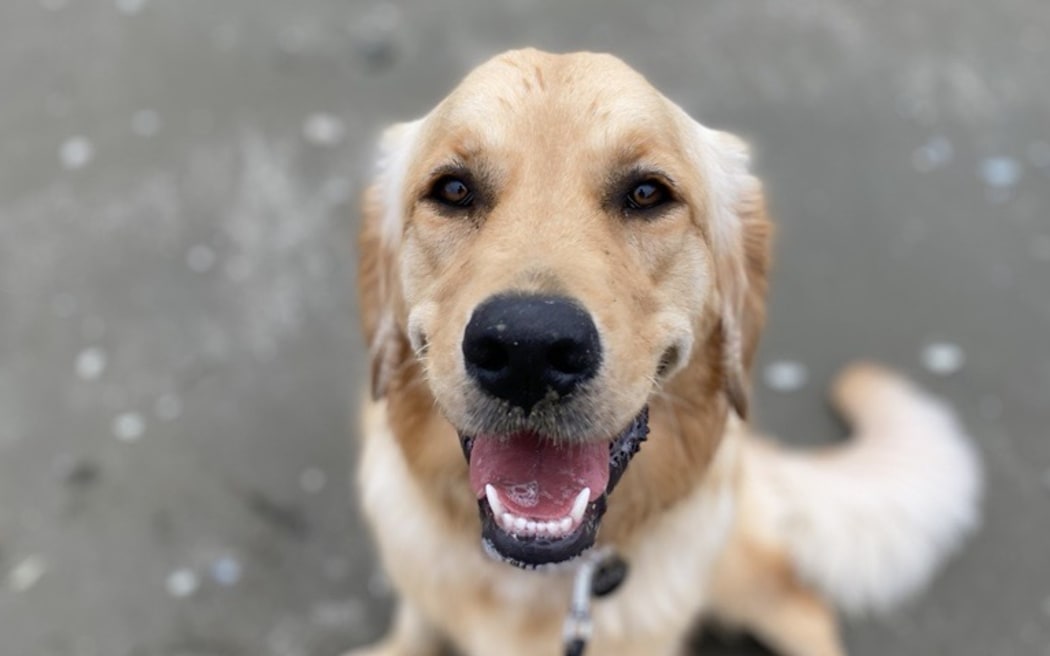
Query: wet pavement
x=178 y=342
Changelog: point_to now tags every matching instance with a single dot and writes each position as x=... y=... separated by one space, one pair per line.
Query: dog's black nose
x=520 y=348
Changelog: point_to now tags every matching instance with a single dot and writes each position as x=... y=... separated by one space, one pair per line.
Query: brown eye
x=647 y=195
x=452 y=191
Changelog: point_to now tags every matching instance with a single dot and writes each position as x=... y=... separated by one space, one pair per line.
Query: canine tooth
x=494 y=502
x=580 y=505
x=519 y=523
x=565 y=525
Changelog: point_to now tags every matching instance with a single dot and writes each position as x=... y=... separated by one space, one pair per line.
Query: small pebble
x=167 y=407
x=377 y=49
x=785 y=375
x=932 y=155
x=182 y=583
x=375 y=35
x=200 y=258
x=312 y=480
x=1000 y=172
x=145 y=123
x=91 y=362
x=77 y=472
x=76 y=153
x=226 y=571
x=323 y=129
x=943 y=358
x=27 y=574
x=129 y=427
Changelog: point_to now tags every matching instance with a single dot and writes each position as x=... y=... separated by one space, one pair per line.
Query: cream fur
x=663 y=596
x=870 y=522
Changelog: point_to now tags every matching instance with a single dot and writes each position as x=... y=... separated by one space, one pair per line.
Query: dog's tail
x=869 y=522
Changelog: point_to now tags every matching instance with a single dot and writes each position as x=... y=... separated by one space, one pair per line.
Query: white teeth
x=580 y=505
x=525 y=527
x=494 y=502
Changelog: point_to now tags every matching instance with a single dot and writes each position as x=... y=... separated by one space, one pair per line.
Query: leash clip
x=599 y=574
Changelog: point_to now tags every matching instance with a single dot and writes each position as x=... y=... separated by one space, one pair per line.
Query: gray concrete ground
x=178 y=345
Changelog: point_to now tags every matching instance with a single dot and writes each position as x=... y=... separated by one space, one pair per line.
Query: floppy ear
x=741 y=234
x=379 y=242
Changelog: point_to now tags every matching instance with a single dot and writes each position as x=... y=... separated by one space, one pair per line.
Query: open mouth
x=542 y=502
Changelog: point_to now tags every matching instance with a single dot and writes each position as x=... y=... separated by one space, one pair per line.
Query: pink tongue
x=534 y=477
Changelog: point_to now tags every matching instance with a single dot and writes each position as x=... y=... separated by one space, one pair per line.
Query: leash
x=600 y=574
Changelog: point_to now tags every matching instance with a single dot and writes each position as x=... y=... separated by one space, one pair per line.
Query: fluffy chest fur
x=487 y=607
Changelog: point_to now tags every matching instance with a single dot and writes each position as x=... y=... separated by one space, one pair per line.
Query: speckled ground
x=178 y=344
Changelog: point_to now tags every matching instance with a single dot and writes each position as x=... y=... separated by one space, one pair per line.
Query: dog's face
x=556 y=239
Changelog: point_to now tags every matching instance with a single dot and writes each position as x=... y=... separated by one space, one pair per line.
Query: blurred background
x=178 y=341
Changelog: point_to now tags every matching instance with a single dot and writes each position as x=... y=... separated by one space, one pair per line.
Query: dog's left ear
x=741 y=234
x=382 y=224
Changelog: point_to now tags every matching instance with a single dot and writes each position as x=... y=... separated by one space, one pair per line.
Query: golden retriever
x=559 y=270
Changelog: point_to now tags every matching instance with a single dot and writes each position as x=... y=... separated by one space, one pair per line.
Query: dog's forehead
x=579 y=99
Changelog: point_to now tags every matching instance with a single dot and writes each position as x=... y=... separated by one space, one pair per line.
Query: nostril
x=487 y=353
x=568 y=356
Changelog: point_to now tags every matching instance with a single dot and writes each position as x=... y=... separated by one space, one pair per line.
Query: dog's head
x=555 y=241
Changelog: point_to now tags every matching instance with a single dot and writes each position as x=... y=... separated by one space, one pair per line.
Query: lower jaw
x=529 y=553
x=539 y=552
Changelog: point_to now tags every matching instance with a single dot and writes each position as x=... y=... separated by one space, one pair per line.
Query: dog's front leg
x=756 y=589
x=409 y=635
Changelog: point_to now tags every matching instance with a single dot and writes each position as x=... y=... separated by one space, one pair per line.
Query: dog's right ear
x=379 y=242
x=741 y=240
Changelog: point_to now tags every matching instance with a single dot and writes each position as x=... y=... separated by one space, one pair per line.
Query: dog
x=562 y=280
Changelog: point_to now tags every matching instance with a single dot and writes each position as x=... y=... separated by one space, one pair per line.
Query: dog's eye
x=647 y=195
x=452 y=191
